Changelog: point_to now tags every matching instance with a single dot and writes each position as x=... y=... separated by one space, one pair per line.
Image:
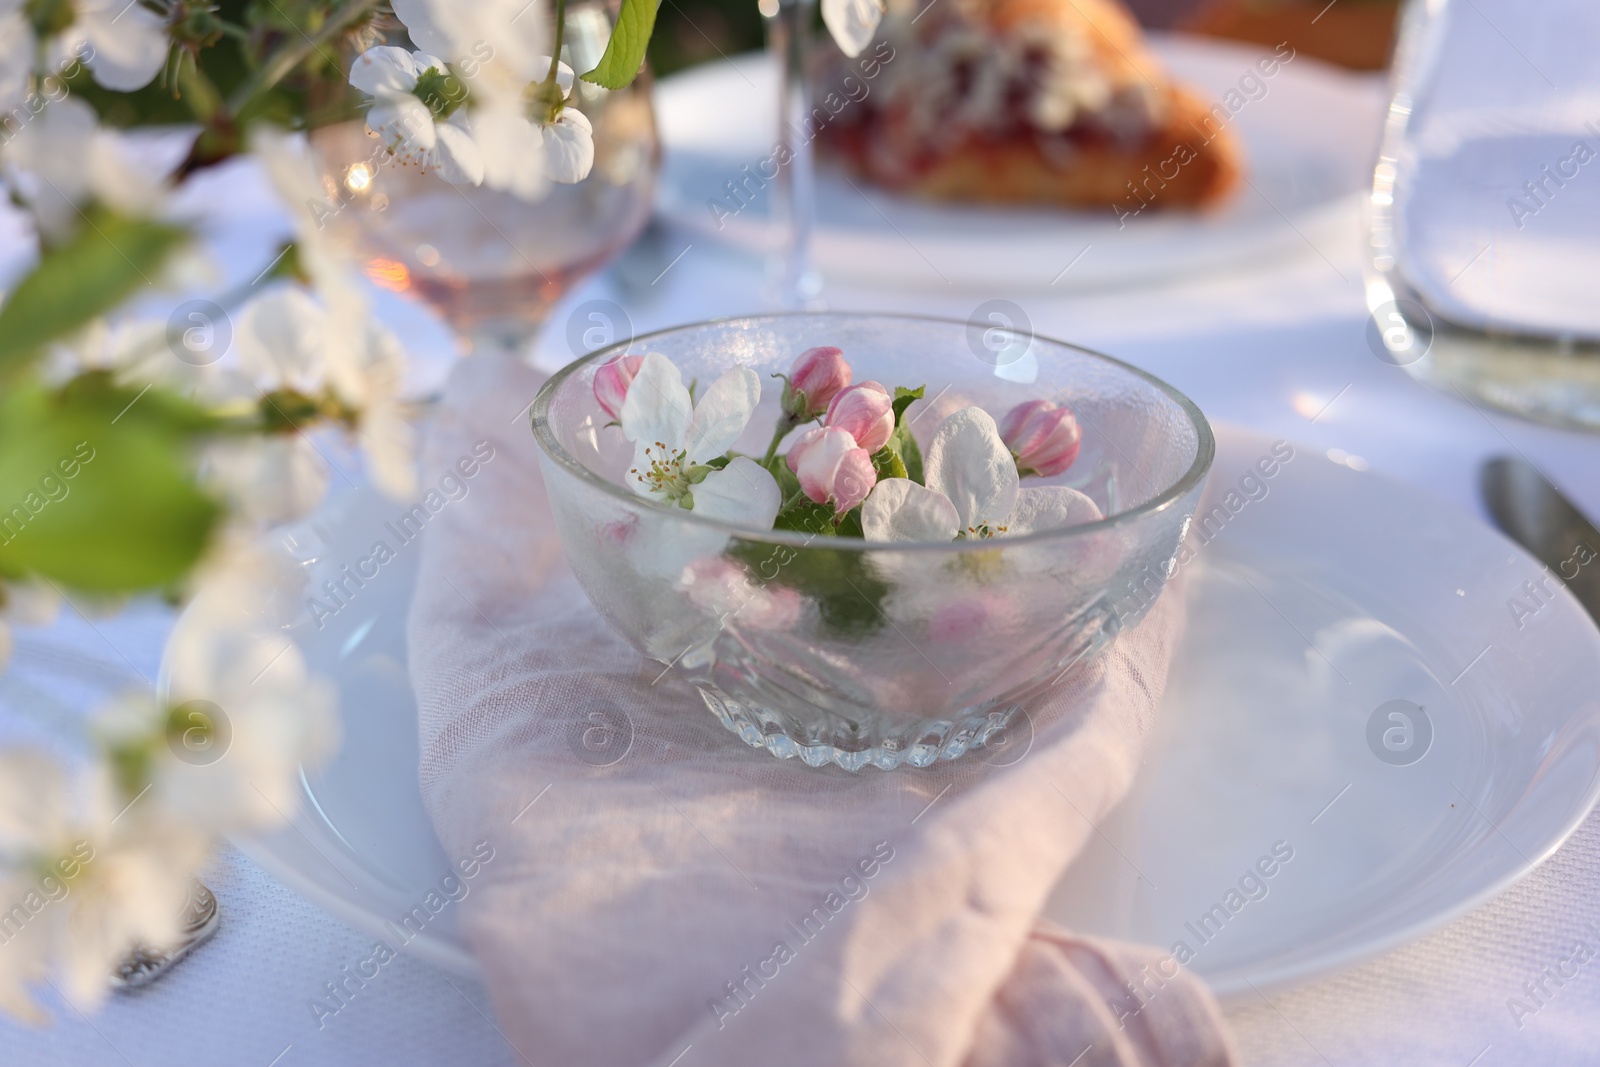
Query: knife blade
x=1536 y=515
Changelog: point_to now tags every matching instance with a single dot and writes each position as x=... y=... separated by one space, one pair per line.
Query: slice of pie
x=1026 y=102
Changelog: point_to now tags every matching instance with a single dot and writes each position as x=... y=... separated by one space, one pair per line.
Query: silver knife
x=1536 y=515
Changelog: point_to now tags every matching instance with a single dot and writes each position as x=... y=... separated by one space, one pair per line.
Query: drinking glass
x=793 y=282
x=1484 y=218
x=490 y=263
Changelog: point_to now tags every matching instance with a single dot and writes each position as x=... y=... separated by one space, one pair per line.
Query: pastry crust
x=1190 y=161
x=1133 y=139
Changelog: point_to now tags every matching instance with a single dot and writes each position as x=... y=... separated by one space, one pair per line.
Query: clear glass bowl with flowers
x=862 y=540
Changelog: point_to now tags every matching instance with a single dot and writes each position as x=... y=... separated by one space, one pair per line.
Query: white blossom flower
x=242 y=715
x=852 y=23
x=522 y=157
x=402 y=86
x=62 y=160
x=972 y=491
x=124 y=44
x=286 y=339
x=324 y=257
x=85 y=875
x=674 y=439
x=495 y=45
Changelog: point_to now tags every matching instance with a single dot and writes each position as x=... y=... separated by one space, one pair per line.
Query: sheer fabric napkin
x=661 y=894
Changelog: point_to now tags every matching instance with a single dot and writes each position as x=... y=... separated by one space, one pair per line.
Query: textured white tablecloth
x=1268 y=348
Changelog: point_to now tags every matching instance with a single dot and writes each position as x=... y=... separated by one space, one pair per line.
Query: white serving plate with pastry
x=1306 y=620
x=1309 y=136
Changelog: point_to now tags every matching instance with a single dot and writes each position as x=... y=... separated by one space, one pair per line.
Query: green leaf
x=624 y=53
x=903 y=445
x=887 y=462
x=108 y=258
x=788 y=481
x=806 y=517
x=97 y=500
x=850 y=525
x=903 y=398
x=848 y=594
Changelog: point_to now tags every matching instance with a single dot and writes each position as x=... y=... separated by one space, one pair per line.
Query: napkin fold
x=661 y=894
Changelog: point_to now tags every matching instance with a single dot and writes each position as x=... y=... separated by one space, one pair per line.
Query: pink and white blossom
x=973 y=491
x=818 y=375
x=1043 y=436
x=866 y=412
x=611 y=383
x=675 y=440
x=832 y=468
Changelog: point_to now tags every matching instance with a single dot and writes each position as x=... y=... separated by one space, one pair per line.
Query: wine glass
x=793 y=282
x=490 y=263
x=1484 y=218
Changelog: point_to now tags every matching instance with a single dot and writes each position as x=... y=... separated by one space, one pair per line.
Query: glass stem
x=794 y=283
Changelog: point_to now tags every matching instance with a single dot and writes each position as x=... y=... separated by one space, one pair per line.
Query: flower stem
x=785 y=424
x=555 y=52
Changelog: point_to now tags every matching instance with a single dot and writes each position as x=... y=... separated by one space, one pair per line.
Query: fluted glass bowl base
x=926 y=744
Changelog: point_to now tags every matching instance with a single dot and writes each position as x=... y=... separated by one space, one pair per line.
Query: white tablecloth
x=1269 y=347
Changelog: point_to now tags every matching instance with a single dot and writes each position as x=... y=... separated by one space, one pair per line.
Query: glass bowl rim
x=1205 y=448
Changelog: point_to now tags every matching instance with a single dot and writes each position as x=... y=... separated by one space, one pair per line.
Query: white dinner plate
x=1284 y=825
x=1309 y=132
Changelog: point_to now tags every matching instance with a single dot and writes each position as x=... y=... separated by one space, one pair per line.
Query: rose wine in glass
x=492 y=264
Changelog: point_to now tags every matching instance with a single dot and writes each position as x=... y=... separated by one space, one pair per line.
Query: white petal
x=296 y=180
x=564 y=76
x=280 y=339
x=969 y=463
x=384 y=71
x=569 y=143
x=456 y=155
x=1051 y=507
x=404 y=125
x=512 y=149
x=55 y=146
x=389 y=443
x=657 y=407
x=422 y=26
x=722 y=414
x=130 y=43
x=426 y=61
x=899 y=509
x=743 y=493
x=852 y=23
x=117 y=180
x=33 y=800
x=275 y=479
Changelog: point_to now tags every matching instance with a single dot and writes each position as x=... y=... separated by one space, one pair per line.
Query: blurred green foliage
x=693 y=31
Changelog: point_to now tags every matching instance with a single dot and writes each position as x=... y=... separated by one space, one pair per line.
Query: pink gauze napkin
x=661 y=894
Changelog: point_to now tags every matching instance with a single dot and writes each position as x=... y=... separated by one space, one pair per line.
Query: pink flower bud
x=611 y=383
x=865 y=412
x=832 y=467
x=1043 y=436
x=815 y=379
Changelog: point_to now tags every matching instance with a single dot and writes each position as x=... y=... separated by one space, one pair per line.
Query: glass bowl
x=838 y=650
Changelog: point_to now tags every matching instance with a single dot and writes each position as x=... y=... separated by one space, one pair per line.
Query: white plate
x=1310 y=137
x=1317 y=603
